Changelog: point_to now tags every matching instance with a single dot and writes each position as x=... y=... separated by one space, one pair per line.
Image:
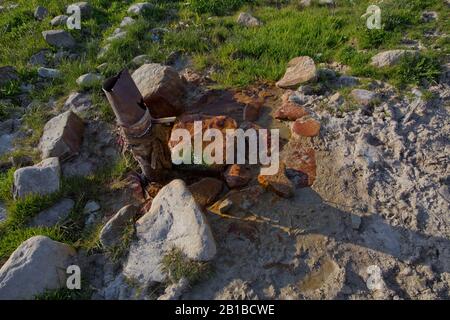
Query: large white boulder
x=174 y=220
x=37 y=265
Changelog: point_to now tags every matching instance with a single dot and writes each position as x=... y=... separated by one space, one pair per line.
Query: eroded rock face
x=62 y=136
x=37 y=265
x=300 y=70
x=162 y=89
x=42 y=178
x=59 y=38
x=174 y=220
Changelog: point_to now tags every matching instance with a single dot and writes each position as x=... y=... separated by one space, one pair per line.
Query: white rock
x=37 y=265
x=42 y=178
x=247 y=20
x=48 y=73
x=139 y=8
x=174 y=220
x=389 y=58
x=62 y=136
x=140 y=60
x=300 y=70
x=60 y=20
x=127 y=21
x=117 y=36
x=362 y=96
x=54 y=214
x=89 y=80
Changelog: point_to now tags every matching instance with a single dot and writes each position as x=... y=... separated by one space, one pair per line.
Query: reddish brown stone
x=306 y=127
x=252 y=105
x=290 y=111
x=300 y=163
x=206 y=190
x=278 y=183
x=237 y=176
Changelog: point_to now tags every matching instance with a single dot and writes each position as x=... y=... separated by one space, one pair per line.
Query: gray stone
x=78 y=102
x=390 y=58
x=91 y=207
x=111 y=233
x=39 y=59
x=174 y=220
x=8 y=74
x=59 y=38
x=60 y=20
x=42 y=179
x=40 y=13
x=48 y=73
x=428 y=16
x=89 y=80
x=6 y=143
x=140 y=60
x=139 y=8
x=37 y=265
x=247 y=20
x=2 y=212
x=356 y=221
x=127 y=21
x=62 y=136
x=85 y=8
x=347 y=81
x=91 y=211
x=300 y=70
x=117 y=36
x=174 y=291
x=162 y=88
x=363 y=97
x=54 y=214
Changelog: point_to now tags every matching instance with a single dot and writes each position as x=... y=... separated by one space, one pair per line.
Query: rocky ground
x=358 y=210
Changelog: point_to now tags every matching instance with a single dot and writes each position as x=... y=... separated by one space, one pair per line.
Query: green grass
x=15 y=229
x=177 y=266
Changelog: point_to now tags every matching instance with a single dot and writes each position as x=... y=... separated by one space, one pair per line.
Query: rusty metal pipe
x=146 y=137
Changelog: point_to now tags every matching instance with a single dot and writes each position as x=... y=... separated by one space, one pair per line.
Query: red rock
x=252 y=105
x=300 y=163
x=221 y=123
x=278 y=183
x=206 y=190
x=237 y=176
x=290 y=111
x=306 y=127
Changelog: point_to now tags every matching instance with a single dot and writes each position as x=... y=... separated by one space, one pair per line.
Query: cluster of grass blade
x=177 y=266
